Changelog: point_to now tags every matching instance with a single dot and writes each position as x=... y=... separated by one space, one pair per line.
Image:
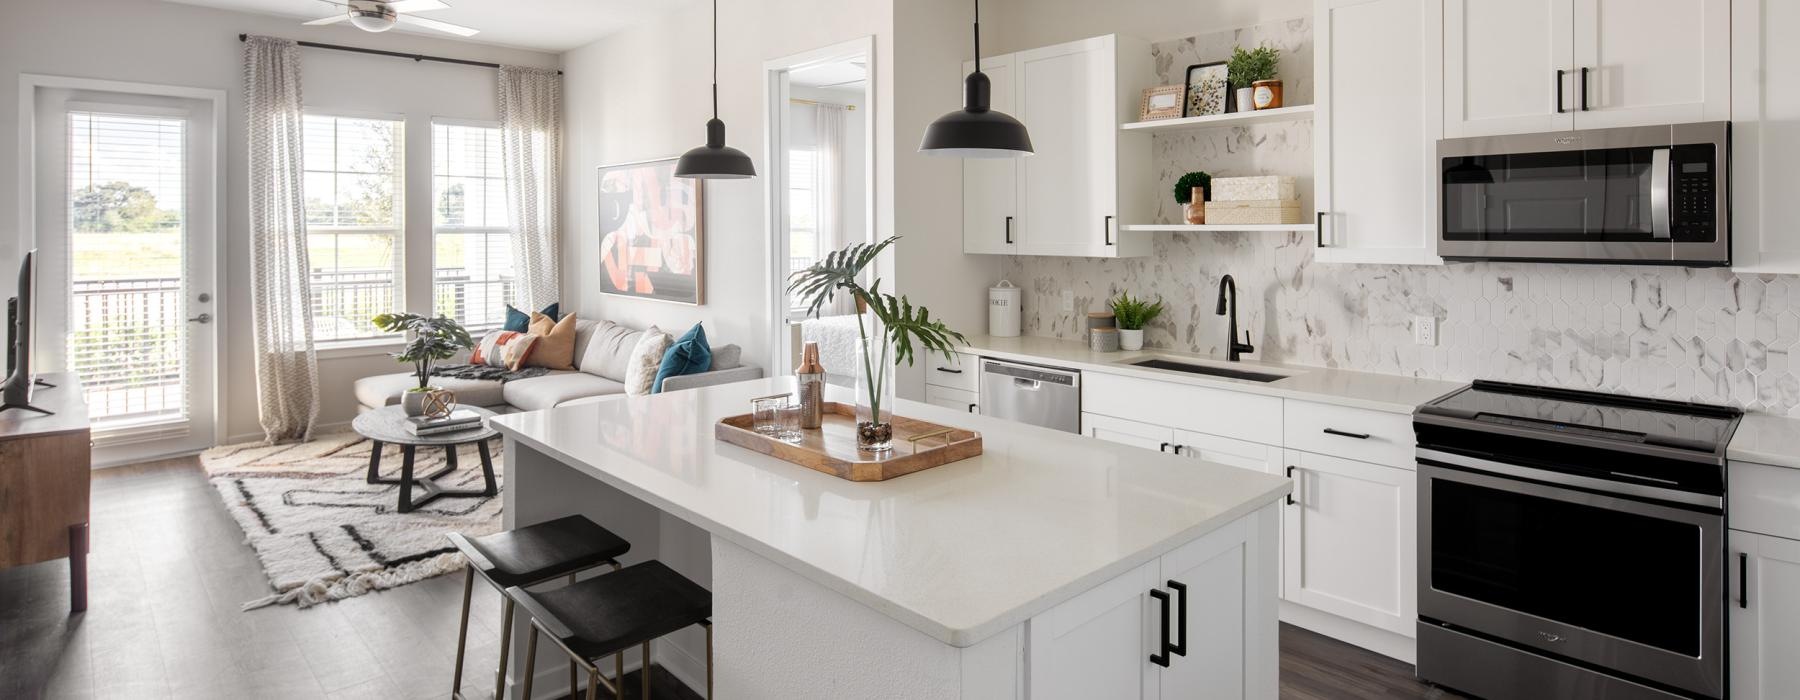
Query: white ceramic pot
x=1245 y=99
x=1131 y=340
x=412 y=401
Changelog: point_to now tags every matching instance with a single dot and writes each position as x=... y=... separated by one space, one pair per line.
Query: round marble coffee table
x=388 y=425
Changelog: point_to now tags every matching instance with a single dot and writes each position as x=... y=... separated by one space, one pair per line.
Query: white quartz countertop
x=1766 y=439
x=959 y=552
x=1368 y=390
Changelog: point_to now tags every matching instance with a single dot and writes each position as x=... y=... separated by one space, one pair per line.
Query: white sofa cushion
x=608 y=352
x=385 y=389
x=554 y=388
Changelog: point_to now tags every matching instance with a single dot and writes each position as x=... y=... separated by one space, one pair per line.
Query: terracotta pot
x=1195 y=211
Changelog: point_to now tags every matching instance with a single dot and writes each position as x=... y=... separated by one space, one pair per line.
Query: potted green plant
x=1132 y=315
x=1246 y=68
x=1190 y=192
x=888 y=330
x=429 y=339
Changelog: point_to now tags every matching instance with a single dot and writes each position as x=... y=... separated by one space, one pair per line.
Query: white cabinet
x=1348 y=541
x=953 y=399
x=1764 y=615
x=1100 y=644
x=1380 y=111
x=1127 y=432
x=1546 y=65
x=1224 y=450
x=1765 y=135
x=1087 y=177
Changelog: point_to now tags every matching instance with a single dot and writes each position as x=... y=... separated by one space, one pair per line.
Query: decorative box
x=1263 y=211
x=1250 y=189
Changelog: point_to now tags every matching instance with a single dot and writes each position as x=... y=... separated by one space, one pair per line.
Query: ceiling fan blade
x=334 y=19
x=417 y=5
x=445 y=27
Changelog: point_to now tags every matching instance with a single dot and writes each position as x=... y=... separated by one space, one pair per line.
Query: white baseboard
x=1358 y=634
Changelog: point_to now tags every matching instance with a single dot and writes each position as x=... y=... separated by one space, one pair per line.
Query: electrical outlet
x=1068 y=301
x=1425 y=330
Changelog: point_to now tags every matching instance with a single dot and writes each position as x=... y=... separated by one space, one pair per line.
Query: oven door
x=1617 y=583
x=1639 y=194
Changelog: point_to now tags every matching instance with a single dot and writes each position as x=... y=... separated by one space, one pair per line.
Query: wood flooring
x=169 y=570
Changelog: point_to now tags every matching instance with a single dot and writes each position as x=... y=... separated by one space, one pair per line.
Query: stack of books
x=458 y=420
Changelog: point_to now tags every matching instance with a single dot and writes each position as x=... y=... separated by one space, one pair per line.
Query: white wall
x=150 y=41
x=1014 y=25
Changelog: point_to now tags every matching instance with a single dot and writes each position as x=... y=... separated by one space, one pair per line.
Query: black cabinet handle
x=1340 y=433
x=1161 y=657
x=1106 y=227
x=1584 y=88
x=1163 y=448
x=1009 y=230
x=1743 y=580
x=1178 y=449
x=947 y=370
x=971 y=408
x=1319 y=228
x=1180 y=648
x=1290 y=475
x=1559 y=101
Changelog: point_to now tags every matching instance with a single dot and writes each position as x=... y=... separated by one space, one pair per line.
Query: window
x=354 y=216
x=472 y=269
x=803 y=214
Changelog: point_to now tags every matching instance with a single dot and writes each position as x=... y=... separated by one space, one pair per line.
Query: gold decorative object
x=439 y=403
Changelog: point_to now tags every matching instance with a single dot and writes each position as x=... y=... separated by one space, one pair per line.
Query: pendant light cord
x=977 y=35
x=715 y=58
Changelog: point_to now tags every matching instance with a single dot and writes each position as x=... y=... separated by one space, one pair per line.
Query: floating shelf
x=1261 y=116
x=1219 y=227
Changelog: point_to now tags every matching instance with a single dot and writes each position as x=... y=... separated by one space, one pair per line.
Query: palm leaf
x=908 y=326
x=817 y=285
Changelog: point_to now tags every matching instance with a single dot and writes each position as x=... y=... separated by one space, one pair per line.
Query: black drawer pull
x=1559 y=102
x=947 y=370
x=1340 y=433
x=1178 y=449
x=1106 y=227
x=1743 y=580
x=1163 y=448
x=1180 y=648
x=971 y=408
x=1584 y=88
x=1319 y=229
x=1161 y=657
x=1290 y=475
x=1009 y=230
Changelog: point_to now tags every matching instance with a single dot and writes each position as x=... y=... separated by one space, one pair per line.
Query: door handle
x=1319 y=228
x=202 y=318
x=1178 y=449
x=1161 y=657
x=1584 y=88
x=1340 y=433
x=947 y=370
x=1009 y=230
x=1290 y=475
x=1163 y=448
x=1559 y=81
x=971 y=408
x=1106 y=227
x=1179 y=648
x=1743 y=580
x=1660 y=193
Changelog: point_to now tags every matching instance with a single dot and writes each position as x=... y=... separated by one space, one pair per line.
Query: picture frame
x=1162 y=102
x=1207 y=89
x=651 y=232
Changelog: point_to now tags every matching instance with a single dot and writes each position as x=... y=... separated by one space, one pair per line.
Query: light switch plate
x=1425 y=331
x=1068 y=301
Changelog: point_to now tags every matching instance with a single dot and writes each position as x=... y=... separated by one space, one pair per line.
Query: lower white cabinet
x=954 y=399
x=1224 y=450
x=1108 y=642
x=1348 y=541
x=1764 y=615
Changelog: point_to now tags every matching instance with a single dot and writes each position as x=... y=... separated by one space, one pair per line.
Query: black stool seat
x=607 y=614
x=537 y=552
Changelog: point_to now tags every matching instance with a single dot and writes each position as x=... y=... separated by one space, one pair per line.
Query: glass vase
x=874 y=388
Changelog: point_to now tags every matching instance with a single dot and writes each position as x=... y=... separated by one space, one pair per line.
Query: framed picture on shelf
x=1161 y=103
x=651 y=233
x=1206 y=89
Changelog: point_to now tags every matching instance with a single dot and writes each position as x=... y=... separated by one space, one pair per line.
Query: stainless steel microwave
x=1646 y=195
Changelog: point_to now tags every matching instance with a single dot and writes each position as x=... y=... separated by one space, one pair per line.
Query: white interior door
x=124 y=213
x=1653 y=61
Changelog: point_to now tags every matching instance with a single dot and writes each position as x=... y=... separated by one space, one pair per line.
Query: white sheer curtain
x=828 y=187
x=287 y=368
x=530 y=149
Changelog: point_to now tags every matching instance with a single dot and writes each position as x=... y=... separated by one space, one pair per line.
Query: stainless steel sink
x=1212 y=370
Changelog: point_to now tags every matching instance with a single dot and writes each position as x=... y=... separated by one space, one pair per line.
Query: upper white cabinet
x=1765 y=135
x=1545 y=65
x=1378 y=71
x=1088 y=177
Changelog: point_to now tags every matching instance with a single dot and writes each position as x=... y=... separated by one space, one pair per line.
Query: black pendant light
x=715 y=160
x=975 y=131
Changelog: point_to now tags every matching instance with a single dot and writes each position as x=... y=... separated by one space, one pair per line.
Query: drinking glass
x=787 y=421
x=762 y=413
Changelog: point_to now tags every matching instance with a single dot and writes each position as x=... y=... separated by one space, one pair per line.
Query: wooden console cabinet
x=45 y=471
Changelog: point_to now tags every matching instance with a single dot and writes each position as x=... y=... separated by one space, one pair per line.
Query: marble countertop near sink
x=1368 y=390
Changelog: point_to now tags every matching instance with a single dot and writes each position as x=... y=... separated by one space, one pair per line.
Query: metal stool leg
x=646 y=670
x=462 y=632
x=574 y=685
x=530 y=662
x=593 y=685
x=506 y=625
x=618 y=683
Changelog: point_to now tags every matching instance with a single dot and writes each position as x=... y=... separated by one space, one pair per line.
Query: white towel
x=836 y=336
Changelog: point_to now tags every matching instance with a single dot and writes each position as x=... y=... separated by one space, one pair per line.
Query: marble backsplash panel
x=1691 y=334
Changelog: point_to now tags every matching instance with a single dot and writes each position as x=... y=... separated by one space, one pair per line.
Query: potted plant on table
x=1190 y=193
x=1132 y=315
x=430 y=339
x=888 y=329
x=1247 y=69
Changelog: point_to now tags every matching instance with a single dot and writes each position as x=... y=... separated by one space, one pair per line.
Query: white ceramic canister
x=1003 y=310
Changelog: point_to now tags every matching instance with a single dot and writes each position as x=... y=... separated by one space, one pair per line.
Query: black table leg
x=487 y=468
x=78 y=551
x=375 y=462
x=406 y=479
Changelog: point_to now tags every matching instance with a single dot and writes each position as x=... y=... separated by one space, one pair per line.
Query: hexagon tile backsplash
x=1692 y=334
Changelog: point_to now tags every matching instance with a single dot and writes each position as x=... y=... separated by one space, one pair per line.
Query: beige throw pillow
x=556 y=342
x=646 y=358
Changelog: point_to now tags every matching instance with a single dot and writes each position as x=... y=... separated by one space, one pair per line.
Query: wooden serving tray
x=831 y=448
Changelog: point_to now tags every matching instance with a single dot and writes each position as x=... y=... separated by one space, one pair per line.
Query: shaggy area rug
x=324 y=533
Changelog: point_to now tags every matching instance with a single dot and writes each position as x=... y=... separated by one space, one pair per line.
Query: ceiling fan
x=380 y=15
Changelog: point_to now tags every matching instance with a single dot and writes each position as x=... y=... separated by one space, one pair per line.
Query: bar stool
x=606 y=615
x=524 y=557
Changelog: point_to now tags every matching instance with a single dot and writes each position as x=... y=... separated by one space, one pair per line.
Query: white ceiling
x=542 y=25
x=845 y=74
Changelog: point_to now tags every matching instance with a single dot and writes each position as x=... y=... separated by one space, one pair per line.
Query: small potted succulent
x=431 y=338
x=1252 y=76
x=1190 y=192
x=1132 y=315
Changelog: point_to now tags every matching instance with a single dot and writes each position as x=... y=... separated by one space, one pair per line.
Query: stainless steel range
x=1571 y=544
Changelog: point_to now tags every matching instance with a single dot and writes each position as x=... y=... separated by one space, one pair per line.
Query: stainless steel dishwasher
x=1046 y=396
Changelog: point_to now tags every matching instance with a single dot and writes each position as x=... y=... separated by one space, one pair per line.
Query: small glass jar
x=763 y=413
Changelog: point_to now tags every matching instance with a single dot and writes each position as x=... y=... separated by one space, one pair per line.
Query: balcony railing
x=128 y=343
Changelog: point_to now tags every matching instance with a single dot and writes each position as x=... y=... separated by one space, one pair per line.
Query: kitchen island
x=1045 y=568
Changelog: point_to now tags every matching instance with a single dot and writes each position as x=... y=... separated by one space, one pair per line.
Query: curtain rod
x=395 y=54
x=797 y=100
